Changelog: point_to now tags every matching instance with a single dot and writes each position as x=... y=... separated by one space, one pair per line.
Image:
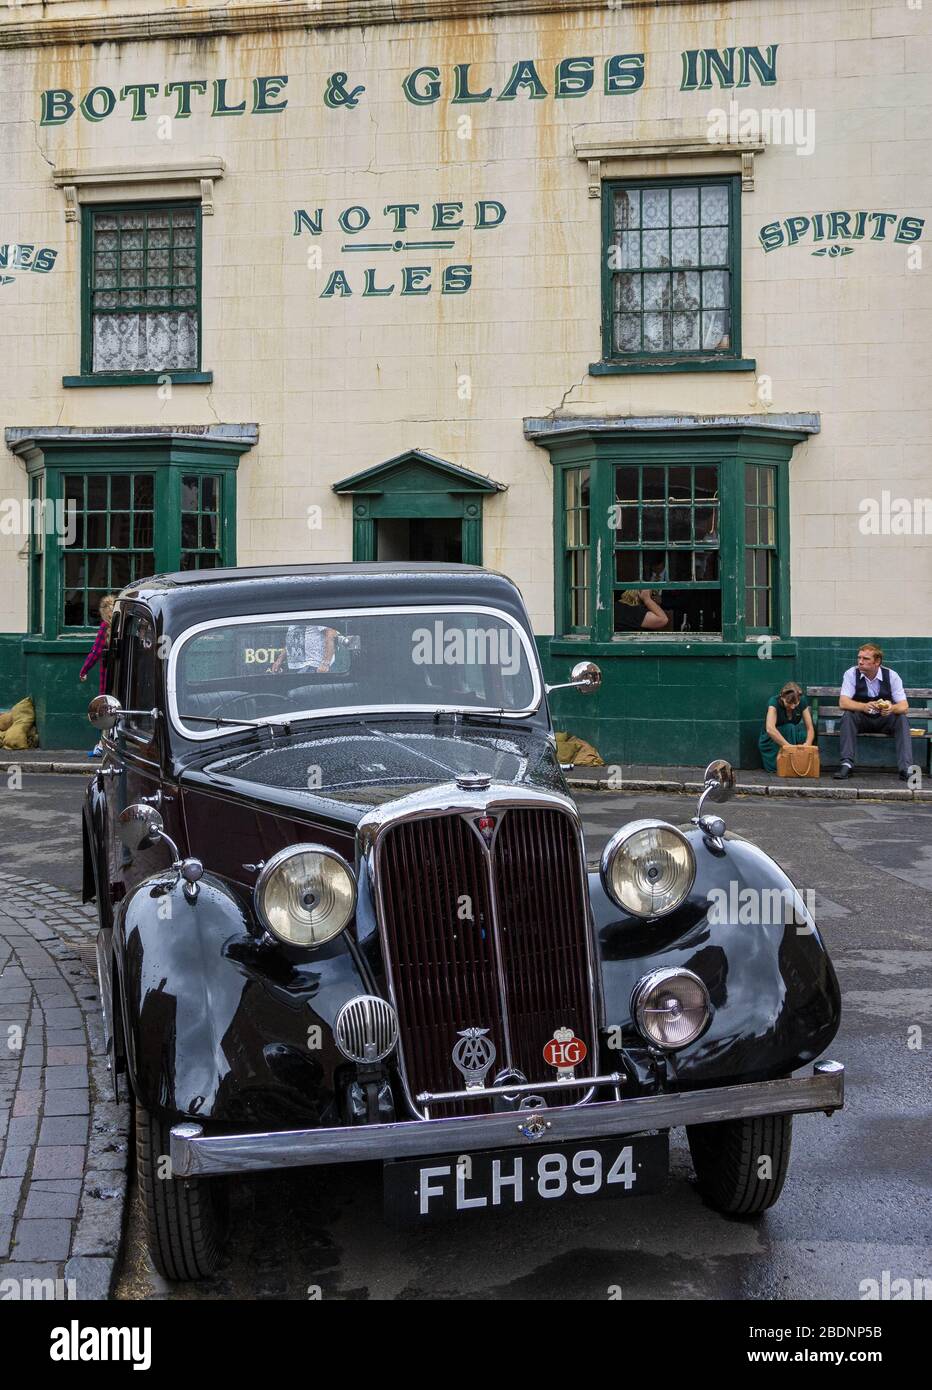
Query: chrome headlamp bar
x=613 y=1078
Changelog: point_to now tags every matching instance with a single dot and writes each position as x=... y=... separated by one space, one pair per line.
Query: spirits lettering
x=833 y=228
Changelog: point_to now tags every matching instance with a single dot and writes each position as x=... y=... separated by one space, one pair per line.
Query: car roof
x=237 y=574
x=186 y=597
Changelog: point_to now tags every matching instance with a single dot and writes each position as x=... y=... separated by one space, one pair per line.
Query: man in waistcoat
x=874 y=702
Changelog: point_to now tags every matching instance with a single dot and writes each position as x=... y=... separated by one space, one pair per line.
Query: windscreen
x=273 y=667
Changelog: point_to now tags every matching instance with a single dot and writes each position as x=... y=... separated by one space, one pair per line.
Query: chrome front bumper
x=193 y=1152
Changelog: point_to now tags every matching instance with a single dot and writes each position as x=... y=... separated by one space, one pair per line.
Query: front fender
x=93 y=813
x=773 y=989
x=221 y=1022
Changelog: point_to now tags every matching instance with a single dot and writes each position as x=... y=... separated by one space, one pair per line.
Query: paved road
x=857 y=1201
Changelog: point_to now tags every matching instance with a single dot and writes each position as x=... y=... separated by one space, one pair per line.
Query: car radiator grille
x=449 y=972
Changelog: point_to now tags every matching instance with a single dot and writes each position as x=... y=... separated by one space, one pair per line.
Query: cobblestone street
x=63 y=1142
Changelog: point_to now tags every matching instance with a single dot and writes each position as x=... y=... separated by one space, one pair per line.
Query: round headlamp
x=671 y=1007
x=648 y=868
x=306 y=895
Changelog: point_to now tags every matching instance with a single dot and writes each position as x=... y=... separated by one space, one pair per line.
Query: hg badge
x=565 y=1052
x=473 y=1056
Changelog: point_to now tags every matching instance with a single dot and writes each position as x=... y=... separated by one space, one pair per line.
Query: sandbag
x=21 y=733
x=571 y=749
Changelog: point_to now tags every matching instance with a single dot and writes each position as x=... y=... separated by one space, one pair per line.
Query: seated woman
x=788 y=722
x=639 y=609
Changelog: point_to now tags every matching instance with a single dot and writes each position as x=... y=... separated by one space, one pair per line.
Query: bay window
x=132 y=506
x=697 y=517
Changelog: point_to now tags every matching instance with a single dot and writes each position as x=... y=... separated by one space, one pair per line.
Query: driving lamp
x=671 y=1007
x=648 y=868
x=306 y=895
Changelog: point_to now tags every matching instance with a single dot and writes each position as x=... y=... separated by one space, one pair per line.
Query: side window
x=142 y=685
x=114 y=664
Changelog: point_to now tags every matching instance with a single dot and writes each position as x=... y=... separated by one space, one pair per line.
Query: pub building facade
x=607 y=297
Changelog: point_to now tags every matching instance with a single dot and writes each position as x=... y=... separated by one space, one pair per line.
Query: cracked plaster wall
x=338 y=385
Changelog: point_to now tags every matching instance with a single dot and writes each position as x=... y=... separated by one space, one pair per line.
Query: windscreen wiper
x=218 y=721
x=486 y=716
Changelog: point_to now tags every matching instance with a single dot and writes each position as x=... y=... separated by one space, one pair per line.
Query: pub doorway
x=418 y=507
x=419 y=538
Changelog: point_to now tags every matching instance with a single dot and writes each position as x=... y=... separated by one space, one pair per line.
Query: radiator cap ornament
x=473 y=1056
x=473 y=781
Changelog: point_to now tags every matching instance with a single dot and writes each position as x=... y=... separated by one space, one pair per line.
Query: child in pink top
x=98 y=653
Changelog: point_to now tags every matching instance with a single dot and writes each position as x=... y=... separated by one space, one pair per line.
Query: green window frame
x=761 y=552
x=109 y=541
x=201 y=521
x=737 y=459
x=37 y=554
x=116 y=536
x=576 y=521
x=665 y=523
x=671 y=284
x=141 y=261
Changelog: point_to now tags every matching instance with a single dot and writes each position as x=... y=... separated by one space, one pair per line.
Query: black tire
x=726 y=1157
x=186 y=1218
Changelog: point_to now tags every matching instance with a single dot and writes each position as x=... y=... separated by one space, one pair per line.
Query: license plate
x=501 y=1179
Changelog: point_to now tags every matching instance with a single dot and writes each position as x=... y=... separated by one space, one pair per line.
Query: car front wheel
x=186 y=1218
x=741 y=1164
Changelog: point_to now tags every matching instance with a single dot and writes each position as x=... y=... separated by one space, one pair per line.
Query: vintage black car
x=345 y=914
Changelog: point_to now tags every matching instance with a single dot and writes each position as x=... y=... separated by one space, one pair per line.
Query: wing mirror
x=585 y=676
x=719 y=784
x=141 y=827
x=105 y=712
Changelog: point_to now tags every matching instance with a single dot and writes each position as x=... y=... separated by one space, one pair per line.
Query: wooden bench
x=874 y=750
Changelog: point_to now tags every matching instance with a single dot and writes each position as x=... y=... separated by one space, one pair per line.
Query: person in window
x=98 y=653
x=308 y=647
x=788 y=722
x=639 y=609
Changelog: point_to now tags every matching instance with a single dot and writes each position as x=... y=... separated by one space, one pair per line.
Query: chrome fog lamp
x=648 y=868
x=306 y=895
x=671 y=1007
x=366 y=1028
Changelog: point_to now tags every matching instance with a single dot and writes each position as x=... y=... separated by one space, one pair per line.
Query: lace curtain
x=161 y=341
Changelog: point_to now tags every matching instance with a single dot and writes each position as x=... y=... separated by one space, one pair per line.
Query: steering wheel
x=225 y=711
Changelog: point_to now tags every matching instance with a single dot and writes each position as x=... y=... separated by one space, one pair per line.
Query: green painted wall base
x=48 y=671
x=666 y=707
x=12 y=672
x=685 y=708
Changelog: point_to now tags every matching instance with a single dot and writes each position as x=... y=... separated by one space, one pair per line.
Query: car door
x=132 y=766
